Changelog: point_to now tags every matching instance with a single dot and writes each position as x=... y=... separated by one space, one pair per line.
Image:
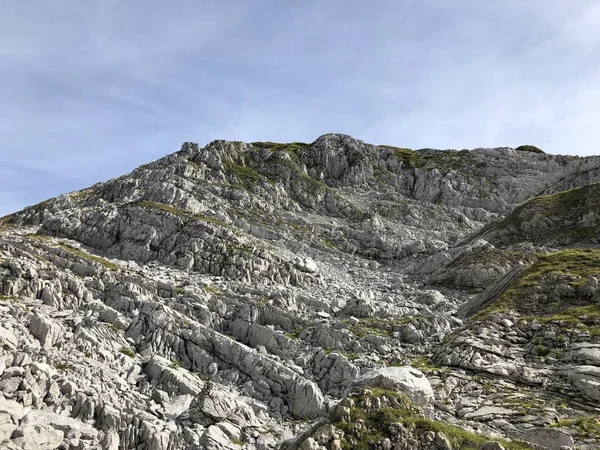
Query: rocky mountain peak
x=324 y=295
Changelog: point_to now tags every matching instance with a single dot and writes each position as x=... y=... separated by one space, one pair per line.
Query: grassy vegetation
x=212 y=289
x=578 y=263
x=571 y=317
x=529 y=294
x=7 y=298
x=82 y=195
x=244 y=174
x=291 y=148
x=405 y=155
x=560 y=211
x=350 y=355
x=179 y=290
x=377 y=424
x=112 y=327
x=63 y=366
x=294 y=334
x=294 y=162
x=237 y=441
x=6 y=221
x=163 y=207
x=127 y=351
x=212 y=220
x=424 y=363
x=529 y=148
x=588 y=427
x=567 y=202
x=84 y=255
x=327 y=243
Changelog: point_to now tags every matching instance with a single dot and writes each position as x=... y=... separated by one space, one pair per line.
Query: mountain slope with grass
x=333 y=294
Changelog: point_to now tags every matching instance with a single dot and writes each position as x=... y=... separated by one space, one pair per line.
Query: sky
x=91 y=90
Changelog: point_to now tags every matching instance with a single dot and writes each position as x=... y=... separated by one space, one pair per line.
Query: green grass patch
x=405 y=155
x=212 y=220
x=82 y=195
x=328 y=243
x=212 y=289
x=294 y=164
x=560 y=216
x=587 y=426
x=84 y=255
x=244 y=174
x=127 y=351
x=7 y=221
x=63 y=366
x=294 y=334
x=566 y=202
x=7 y=298
x=237 y=441
x=401 y=410
x=576 y=264
x=528 y=294
x=40 y=237
x=424 y=363
x=291 y=148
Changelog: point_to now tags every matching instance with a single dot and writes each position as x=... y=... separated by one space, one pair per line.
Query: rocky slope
x=266 y=296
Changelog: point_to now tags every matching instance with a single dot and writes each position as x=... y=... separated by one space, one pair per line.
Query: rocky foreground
x=333 y=295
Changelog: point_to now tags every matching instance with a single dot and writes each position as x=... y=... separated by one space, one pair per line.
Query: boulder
x=37 y=437
x=8 y=339
x=48 y=331
x=550 y=438
x=407 y=380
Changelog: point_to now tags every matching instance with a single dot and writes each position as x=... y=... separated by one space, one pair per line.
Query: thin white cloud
x=92 y=90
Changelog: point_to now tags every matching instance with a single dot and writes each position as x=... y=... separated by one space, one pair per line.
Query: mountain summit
x=331 y=295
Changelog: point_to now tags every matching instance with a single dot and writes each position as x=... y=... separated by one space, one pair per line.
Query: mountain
x=330 y=295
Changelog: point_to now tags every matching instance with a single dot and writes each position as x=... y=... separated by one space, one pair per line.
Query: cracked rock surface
x=331 y=295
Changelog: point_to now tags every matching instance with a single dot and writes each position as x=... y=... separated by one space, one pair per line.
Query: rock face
x=306 y=296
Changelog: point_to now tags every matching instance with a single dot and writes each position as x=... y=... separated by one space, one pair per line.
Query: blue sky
x=91 y=90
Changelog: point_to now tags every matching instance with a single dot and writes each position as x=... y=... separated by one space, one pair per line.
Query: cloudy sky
x=91 y=90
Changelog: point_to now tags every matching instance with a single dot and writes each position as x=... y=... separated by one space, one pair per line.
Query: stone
x=490 y=413
x=492 y=446
x=111 y=440
x=48 y=331
x=8 y=339
x=442 y=442
x=551 y=438
x=407 y=380
x=37 y=437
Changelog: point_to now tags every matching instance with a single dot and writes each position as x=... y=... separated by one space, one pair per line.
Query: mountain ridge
x=227 y=292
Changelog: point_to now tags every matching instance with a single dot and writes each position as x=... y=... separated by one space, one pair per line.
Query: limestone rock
x=48 y=331
x=407 y=380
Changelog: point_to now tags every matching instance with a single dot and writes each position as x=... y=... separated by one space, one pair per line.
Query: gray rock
x=48 y=331
x=407 y=380
x=551 y=438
